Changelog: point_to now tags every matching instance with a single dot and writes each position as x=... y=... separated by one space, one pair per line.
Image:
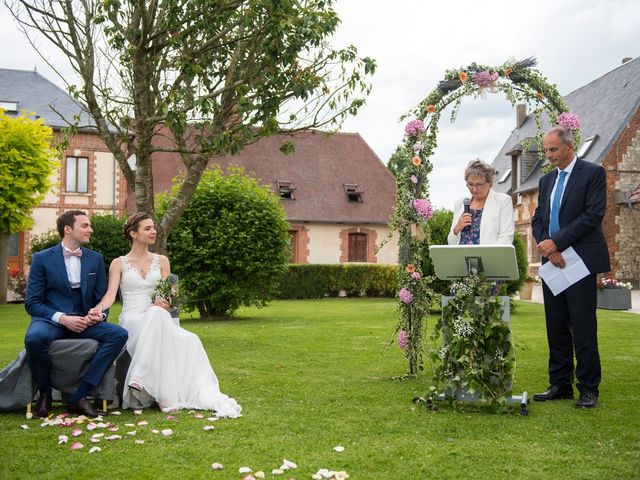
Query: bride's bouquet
x=167 y=289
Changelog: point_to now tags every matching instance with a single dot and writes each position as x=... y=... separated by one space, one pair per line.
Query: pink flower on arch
x=416 y=275
x=403 y=340
x=414 y=127
x=569 y=120
x=484 y=78
x=423 y=208
x=405 y=295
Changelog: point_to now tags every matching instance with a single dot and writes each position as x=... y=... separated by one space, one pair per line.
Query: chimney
x=521 y=114
x=626 y=59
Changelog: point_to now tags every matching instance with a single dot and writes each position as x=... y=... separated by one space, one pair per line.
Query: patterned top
x=471 y=235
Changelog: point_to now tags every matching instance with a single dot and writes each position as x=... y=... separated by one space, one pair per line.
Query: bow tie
x=75 y=253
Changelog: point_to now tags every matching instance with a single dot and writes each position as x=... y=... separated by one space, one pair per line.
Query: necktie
x=554 y=225
x=75 y=253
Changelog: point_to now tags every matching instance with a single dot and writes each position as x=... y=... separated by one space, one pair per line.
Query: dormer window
x=354 y=194
x=9 y=107
x=285 y=189
x=586 y=146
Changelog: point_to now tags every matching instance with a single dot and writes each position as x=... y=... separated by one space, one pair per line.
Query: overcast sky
x=415 y=41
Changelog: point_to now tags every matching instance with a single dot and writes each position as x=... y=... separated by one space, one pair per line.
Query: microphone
x=467 y=209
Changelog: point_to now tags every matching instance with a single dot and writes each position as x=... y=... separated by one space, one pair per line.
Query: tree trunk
x=4 y=258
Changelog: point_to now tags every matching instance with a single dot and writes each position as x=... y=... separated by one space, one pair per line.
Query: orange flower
x=416 y=161
x=540 y=95
x=410 y=268
x=431 y=108
x=463 y=76
x=508 y=71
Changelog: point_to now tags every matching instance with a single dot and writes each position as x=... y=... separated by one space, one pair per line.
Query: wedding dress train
x=168 y=363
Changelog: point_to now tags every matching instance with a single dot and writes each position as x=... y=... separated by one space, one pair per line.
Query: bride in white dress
x=169 y=365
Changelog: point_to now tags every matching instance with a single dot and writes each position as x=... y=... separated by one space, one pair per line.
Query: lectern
x=495 y=263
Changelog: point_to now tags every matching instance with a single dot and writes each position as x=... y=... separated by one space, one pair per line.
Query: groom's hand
x=74 y=323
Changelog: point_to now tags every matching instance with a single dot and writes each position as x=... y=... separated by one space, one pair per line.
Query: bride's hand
x=161 y=302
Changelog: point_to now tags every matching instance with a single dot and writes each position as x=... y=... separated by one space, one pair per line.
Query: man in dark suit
x=571 y=204
x=65 y=281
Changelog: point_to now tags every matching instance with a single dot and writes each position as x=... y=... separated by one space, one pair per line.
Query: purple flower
x=405 y=295
x=484 y=78
x=414 y=127
x=569 y=120
x=416 y=275
x=403 y=340
x=414 y=179
x=423 y=208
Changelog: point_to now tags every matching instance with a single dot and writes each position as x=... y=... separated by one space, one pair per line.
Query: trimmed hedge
x=317 y=281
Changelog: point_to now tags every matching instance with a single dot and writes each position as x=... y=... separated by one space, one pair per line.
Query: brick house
x=336 y=193
x=89 y=178
x=609 y=112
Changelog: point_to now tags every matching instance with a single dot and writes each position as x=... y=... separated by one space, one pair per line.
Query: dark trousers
x=43 y=331
x=572 y=327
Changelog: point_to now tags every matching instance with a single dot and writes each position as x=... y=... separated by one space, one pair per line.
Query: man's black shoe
x=587 y=400
x=554 y=393
x=84 y=407
x=42 y=406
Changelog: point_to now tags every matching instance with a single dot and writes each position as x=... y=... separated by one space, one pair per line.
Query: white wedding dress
x=167 y=361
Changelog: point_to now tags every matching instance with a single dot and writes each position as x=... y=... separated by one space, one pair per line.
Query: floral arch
x=521 y=83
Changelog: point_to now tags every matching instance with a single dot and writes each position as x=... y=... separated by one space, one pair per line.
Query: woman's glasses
x=476 y=185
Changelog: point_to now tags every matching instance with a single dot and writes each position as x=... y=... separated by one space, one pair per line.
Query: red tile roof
x=318 y=170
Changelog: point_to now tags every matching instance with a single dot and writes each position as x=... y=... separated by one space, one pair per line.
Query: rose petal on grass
x=213 y=419
x=113 y=429
x=139 y=442
x=95 y=449
x=24 y=427
x=132 y=433
x=289 y=464
x=97 y=435
x=260 y=474
x=316 y=476
x=208 y=427
x=249 y=477
x=143 y=422
x=91 y=426
x=129 y=425
x=244 y=470
x=339 y=448
x=116 y=412
x=113 y=437
x=76 y=432
x=170 y=417
x=198 y=415
x=137 y=412
x=95 y=440
x=217 y=466
x=77 y=446
x=167 y=432
x=62 y=439
x=277 y=471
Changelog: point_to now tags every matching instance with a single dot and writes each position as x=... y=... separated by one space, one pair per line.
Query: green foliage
x=397 y=162
x=512 y=287
x=439 y=227
x=317 y=281
x=25 y=169
x=43 y=241
x=476 y=354
x=107 y=237
x=231 y=245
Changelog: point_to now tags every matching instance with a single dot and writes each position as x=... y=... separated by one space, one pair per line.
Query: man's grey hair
x=565 y=135
x=478 y=168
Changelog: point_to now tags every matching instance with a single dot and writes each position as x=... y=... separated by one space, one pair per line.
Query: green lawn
x=312 y=375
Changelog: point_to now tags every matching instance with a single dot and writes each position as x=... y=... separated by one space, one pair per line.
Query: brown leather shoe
x=42 y=406
x=84 y=407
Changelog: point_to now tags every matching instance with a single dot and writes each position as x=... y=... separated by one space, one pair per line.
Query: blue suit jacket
x=48 y=288
x=583 y=205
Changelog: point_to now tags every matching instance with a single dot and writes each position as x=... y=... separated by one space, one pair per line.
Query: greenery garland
x=520 y=83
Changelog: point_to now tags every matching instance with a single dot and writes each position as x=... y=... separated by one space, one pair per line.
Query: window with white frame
x=77 y=174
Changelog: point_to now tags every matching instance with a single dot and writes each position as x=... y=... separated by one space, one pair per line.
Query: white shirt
x=73 y=274
x=568 y=171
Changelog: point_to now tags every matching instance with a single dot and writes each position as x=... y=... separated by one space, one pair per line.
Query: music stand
x=495 y=263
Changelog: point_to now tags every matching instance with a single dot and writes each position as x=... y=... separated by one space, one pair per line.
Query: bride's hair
x=131 y=225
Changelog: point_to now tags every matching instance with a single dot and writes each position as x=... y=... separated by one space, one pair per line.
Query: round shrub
x=231 y=245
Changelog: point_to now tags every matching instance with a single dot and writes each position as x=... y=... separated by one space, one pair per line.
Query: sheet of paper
x=559 y=279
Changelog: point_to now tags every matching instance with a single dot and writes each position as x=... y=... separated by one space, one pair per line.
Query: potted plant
x=526 y=290
x=614 y=295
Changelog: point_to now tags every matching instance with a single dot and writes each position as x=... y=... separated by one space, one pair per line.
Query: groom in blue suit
x=571 y=205
x=65 y=282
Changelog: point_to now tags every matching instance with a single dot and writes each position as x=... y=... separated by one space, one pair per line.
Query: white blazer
x=496 y=224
